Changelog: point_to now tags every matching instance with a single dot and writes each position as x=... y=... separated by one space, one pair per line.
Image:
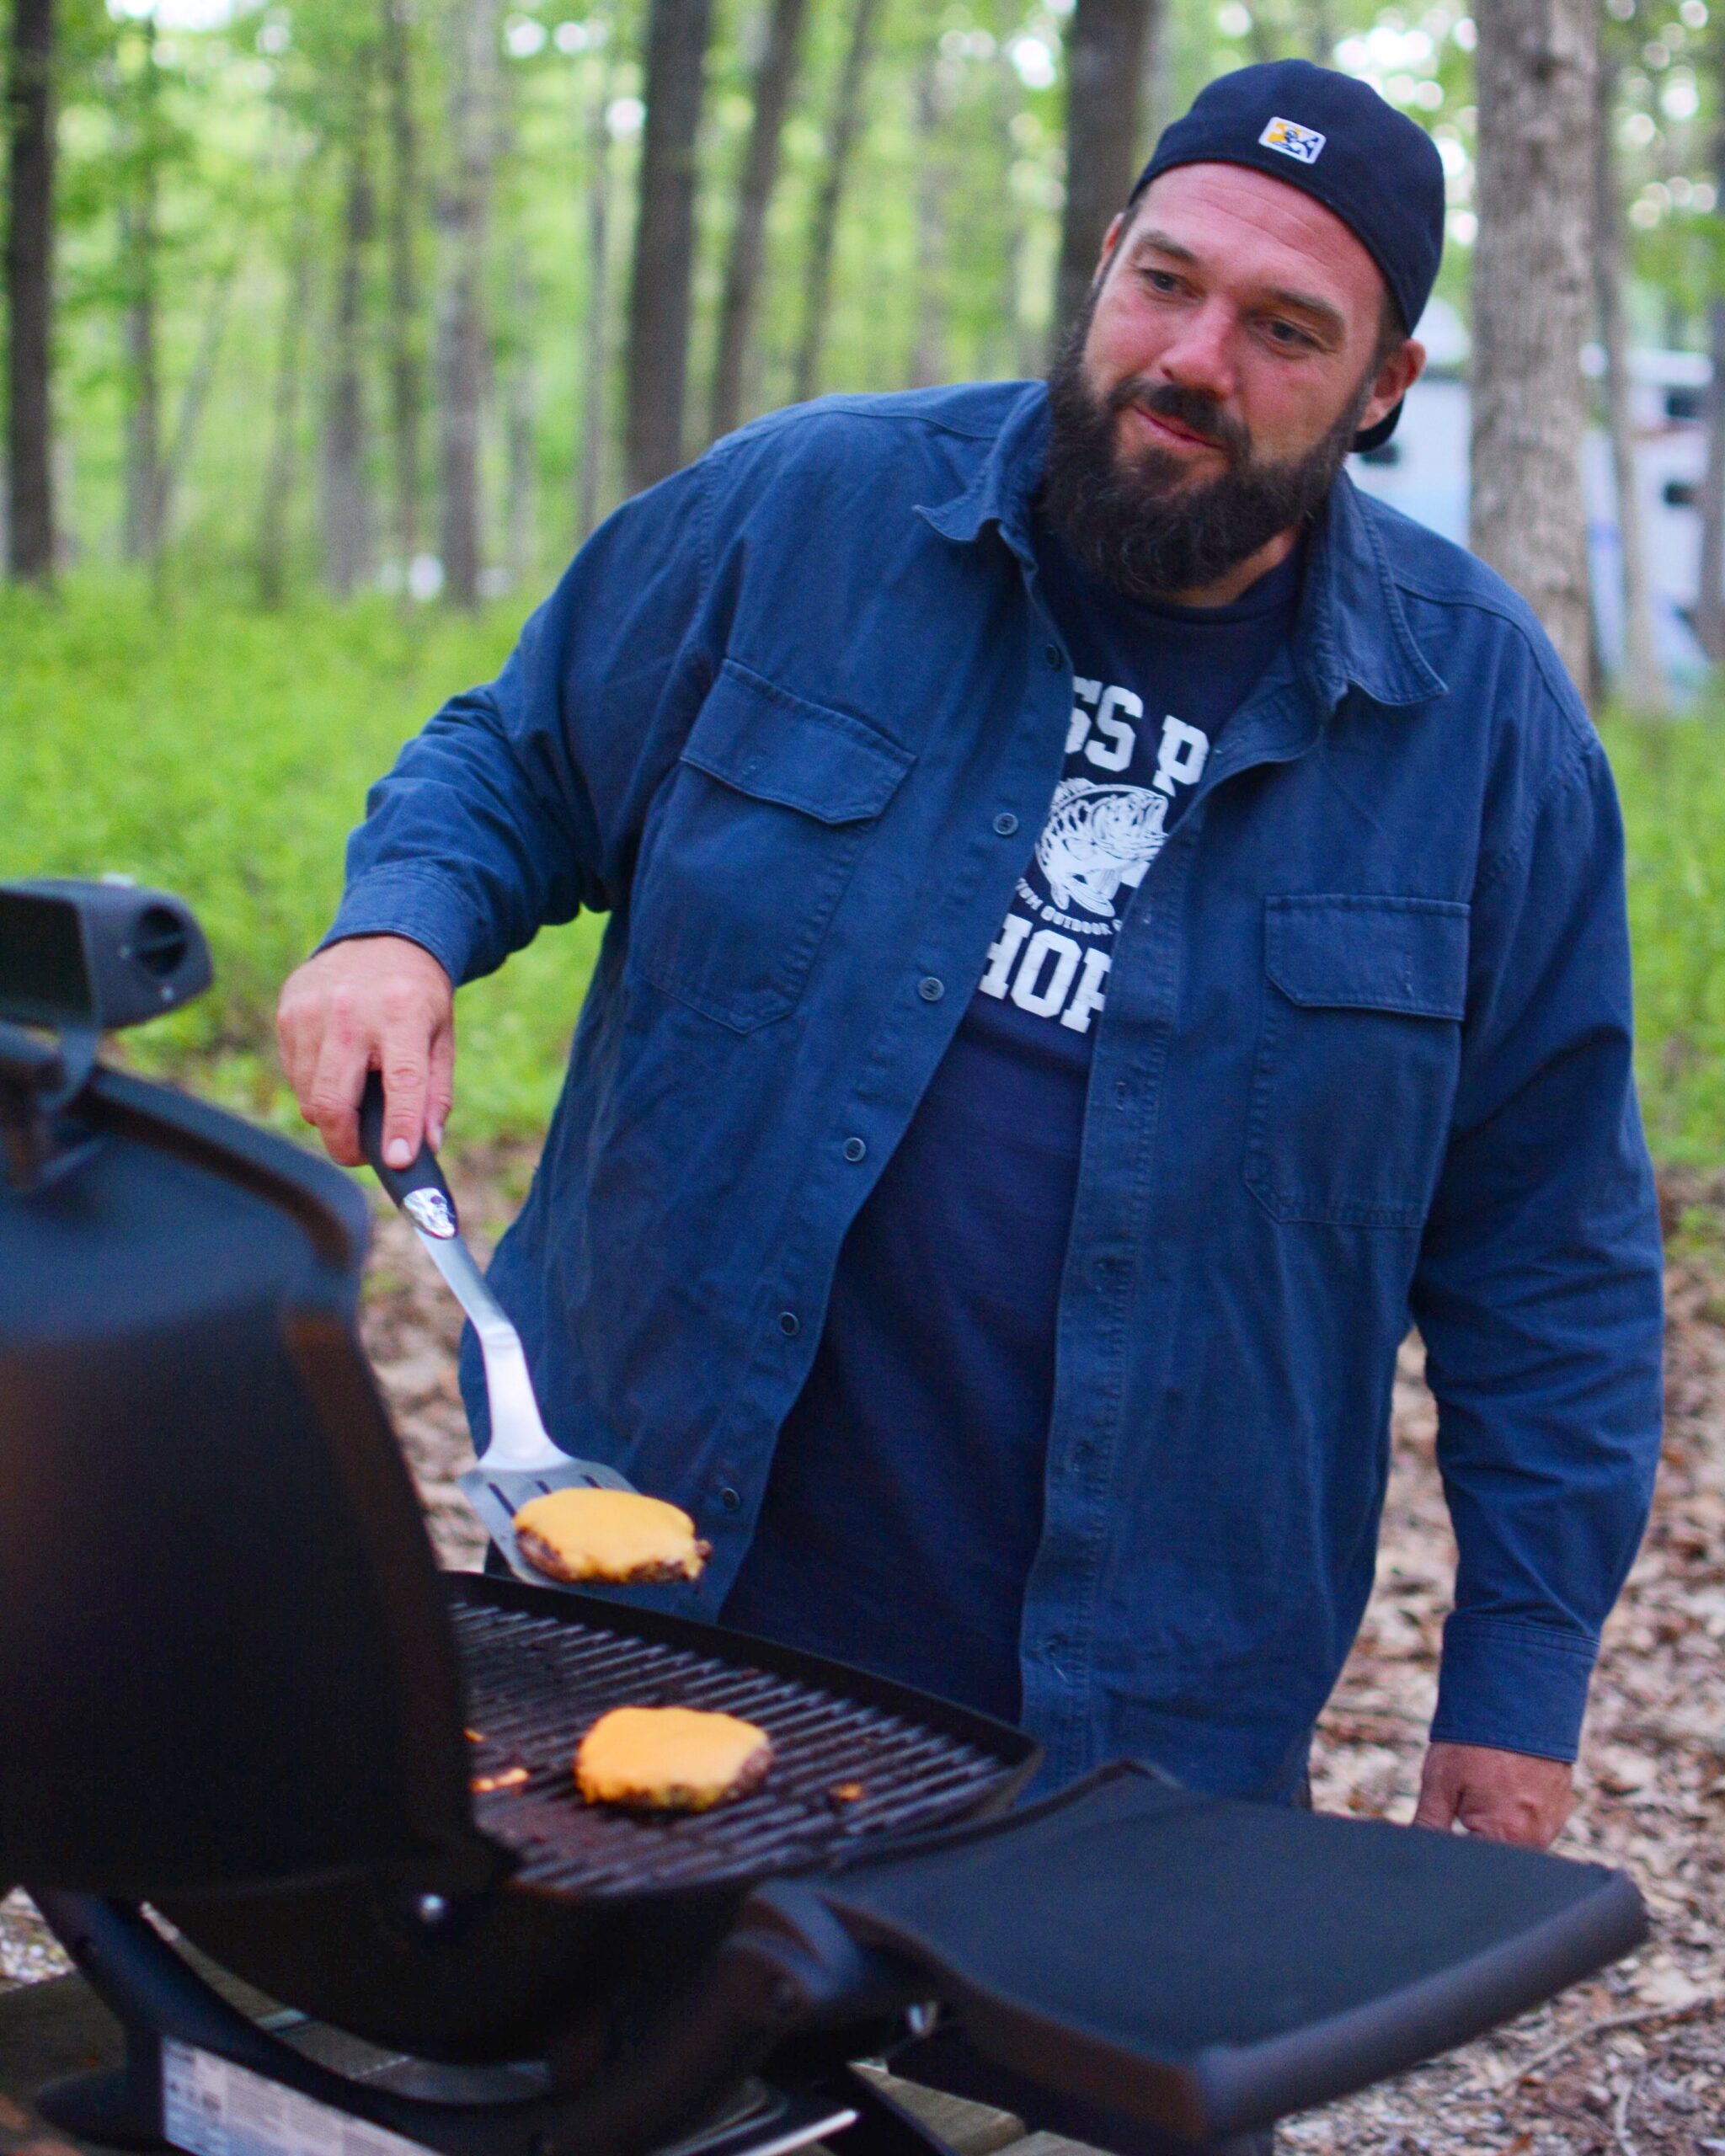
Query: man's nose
x=1202 y=356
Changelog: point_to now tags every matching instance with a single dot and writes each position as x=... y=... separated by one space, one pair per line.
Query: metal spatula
x=520 y=1461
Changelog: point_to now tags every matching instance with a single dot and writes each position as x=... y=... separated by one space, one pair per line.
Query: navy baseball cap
x=1349 y=148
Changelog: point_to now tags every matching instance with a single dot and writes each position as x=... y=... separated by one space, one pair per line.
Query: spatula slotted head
x=496 y=1498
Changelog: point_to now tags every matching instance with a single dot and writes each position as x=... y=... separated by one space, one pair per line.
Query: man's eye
x=1288 y=335
x=1162 y=281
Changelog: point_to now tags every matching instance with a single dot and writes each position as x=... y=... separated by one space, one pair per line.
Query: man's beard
x=1131 y=518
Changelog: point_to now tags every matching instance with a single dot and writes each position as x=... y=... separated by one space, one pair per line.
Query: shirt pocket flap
x=760 y=739
x=1369 y=953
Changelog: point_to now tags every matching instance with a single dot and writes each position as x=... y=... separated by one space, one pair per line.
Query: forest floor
x=1633 y=2063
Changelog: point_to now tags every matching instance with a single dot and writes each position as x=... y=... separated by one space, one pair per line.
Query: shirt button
x=789 y=1324
x=730 y=1499
x=855 y=1150
x=930 y=989
x=1054 y=656
x=1005 y=824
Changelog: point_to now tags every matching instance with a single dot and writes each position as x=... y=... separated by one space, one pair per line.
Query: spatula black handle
x=401 y=1183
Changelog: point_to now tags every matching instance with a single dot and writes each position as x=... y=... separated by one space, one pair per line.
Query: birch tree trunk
x=665 y=239
x=774 y=82
x=823 y=230
x=463 y=212
x=1710 y=596
x=1642 y=681
x=1532 y=289
x=1105 y=47
x=595 y=340
x=406 y=370
x=1007 y=347
x=29 y=293
x=347 y=508
x=1710 y=589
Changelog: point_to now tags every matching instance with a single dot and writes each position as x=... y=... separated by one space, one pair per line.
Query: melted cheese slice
x=672 y=1759
x=609 y=1534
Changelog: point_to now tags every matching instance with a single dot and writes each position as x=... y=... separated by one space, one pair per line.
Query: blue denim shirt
x=792 y=718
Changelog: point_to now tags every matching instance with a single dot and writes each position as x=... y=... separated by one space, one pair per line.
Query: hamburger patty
x=670 y=1759
x=609 y=1534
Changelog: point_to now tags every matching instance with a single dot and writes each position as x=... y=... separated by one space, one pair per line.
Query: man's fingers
x=440 y=1084
x=378 y=1002
x=1436 y=1809
x=332 y=1100
x=1439 y=1793
x=403 y=1064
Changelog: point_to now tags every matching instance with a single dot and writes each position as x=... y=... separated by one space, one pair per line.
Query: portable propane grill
x=235 y=1689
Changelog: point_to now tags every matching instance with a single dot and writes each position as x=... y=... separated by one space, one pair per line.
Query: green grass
x=224 y=754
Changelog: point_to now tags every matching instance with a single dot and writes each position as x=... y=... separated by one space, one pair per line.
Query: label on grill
x=210 y=2107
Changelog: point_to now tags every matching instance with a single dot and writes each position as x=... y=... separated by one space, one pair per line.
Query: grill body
x=593 y=1919
x=234 y=1685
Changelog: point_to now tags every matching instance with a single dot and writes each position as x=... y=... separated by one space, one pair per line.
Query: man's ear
x=1401 y=370
x=1111 y=239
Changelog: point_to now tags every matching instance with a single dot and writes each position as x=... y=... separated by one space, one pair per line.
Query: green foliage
x=1671 y=777
x=224 y=754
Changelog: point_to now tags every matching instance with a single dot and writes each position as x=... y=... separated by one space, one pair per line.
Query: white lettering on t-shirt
x=1051 y=958
x=1042 y=994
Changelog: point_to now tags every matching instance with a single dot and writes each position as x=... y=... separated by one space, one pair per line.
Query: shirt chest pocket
x=1357 y=1057
x=758 y=831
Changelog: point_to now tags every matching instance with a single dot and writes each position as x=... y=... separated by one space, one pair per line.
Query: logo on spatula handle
x=429 y=1209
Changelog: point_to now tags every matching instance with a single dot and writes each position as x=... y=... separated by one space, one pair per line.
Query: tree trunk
x=283 y=467
x=462 y=214
x=1157 y=93
x=1710 y=591
x=1105 y=48
x=1709 y=617
x=347 y=508
x=595 y=342
x=933 y=184
x=1532 y=288
x=406 y=373
x=520 y=425
x=1643 y=679
x=677 y=32
x=1008 y=353
x=773 y=84
x=140 y=237
x=29 y=292
x=822 y=234
x=194 y=396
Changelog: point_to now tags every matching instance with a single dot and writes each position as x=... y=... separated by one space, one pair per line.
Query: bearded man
x=1105 y=923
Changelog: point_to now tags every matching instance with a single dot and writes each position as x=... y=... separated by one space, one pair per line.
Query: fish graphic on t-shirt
x=1097 y=838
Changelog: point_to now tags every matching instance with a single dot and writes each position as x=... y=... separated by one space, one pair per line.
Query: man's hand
x=373 y=1003
x=1507 y=1796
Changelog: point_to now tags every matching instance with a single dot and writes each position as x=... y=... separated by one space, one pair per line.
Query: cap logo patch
x=1292 y=141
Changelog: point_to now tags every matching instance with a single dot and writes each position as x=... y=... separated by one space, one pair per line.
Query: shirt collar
x=1353 y=627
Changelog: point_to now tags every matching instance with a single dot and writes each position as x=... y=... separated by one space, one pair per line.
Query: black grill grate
x=843 y=1772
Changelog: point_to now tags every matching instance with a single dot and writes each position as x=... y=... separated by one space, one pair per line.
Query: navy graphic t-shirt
x=905 y=1505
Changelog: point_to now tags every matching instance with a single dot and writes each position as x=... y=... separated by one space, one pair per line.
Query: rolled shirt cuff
x=412 y=902
x=1515 y=1686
